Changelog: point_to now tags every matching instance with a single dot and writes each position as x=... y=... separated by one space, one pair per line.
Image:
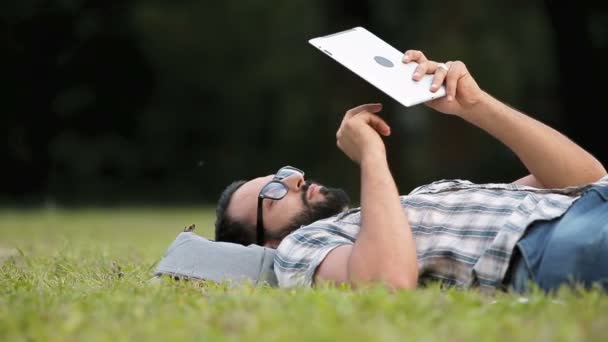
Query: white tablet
x=379 y=64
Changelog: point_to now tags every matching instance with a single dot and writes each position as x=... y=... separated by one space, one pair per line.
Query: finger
x=438 y=78
x=370 y=107
x=377 y=123
x=423 y=68
x=414 y=56
x=451 y=83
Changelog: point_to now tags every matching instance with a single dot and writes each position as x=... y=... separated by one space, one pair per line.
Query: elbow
x=601 y=172
x=403 y=278
x=399 y=280
x=393 y=281
x=393 y=275
x=597 y=172
x=403 y=281
x=591 y=174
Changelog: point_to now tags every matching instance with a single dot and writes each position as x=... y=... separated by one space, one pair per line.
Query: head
x=301 y=203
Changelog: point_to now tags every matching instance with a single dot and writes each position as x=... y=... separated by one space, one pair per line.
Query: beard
x=336 y=201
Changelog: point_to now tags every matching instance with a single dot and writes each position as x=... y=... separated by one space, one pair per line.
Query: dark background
x=108 y=102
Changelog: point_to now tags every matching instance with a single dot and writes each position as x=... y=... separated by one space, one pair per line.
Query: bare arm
x=553 y=160
x=384 y=251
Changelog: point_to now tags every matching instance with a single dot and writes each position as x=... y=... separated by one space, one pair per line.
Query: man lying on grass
x=550 y=227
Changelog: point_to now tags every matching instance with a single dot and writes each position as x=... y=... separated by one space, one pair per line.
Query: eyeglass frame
x=261 y=197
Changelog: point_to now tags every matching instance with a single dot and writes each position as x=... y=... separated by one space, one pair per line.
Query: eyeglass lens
x=286 y=172
x=277 y=190
x=274 y=190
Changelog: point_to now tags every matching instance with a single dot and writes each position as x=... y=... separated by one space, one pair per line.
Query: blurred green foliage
x=110 y=102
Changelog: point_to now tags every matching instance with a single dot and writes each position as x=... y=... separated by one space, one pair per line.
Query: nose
x=294 y=181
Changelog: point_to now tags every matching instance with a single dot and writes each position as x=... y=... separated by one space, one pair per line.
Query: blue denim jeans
x=570 y=250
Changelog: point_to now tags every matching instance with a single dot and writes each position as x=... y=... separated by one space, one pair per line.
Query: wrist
x=483 y=104
x=373 y=159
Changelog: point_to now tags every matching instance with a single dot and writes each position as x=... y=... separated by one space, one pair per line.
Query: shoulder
x=301 y=252
x=304 y=241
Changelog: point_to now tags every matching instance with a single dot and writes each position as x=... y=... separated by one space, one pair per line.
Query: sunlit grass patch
x=74 y=275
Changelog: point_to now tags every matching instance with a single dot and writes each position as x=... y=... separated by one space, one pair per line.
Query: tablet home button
x=384 y=62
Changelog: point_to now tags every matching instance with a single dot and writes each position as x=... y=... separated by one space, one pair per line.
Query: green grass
x=82 y=275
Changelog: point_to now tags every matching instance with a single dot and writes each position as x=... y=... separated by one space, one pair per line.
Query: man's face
x=304 y=203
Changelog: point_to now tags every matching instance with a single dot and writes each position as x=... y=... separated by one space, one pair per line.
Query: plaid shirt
x=464 y=233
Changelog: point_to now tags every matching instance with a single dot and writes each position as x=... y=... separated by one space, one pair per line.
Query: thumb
x=370 y=107
x=378 y=124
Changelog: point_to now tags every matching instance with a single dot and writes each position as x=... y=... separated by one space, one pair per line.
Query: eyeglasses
x=274 y=190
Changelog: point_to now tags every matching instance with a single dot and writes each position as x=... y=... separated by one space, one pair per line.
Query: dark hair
x=227 y=229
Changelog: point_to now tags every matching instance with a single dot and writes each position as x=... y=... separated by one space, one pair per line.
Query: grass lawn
x=82 y=275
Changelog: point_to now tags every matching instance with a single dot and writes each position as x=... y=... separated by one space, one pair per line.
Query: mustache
x=323 y=190
x=303 y=196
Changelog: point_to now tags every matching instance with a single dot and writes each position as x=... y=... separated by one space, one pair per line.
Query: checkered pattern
x=465 y=233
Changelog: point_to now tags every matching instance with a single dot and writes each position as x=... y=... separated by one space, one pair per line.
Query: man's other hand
x=359 y=133
x=462 y=92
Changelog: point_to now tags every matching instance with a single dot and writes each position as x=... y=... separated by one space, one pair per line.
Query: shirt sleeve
x=301 y=252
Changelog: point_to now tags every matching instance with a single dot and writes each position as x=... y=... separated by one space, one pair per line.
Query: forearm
x=550 y=156
x=384 y=250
